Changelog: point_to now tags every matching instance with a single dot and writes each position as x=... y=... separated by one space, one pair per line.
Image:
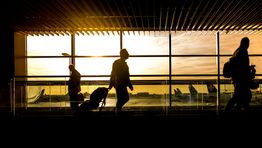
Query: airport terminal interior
x=177 y=50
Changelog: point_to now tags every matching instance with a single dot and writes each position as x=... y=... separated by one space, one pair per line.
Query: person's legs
x=122 y=97
x=247 y=100
x=231 y=103
x=73 y=101
x=244 y=97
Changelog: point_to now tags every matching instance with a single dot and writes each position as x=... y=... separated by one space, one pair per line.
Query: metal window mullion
x=218 y=71
x=121 y=39
x=73 y=48
x=170 y=71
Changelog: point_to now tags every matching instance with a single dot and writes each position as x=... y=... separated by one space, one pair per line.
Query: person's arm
x=129 y=81
x=131 y=87
x=112 y=78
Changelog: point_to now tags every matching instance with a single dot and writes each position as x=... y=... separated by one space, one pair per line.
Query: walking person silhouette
x=242 y=75
x=120 y=79
x=74 y=86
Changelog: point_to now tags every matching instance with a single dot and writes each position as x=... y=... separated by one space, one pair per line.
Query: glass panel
x=48 y=45
x=137 y=66
x=256 y=60
x=199 y=43
x=142 y=95
x=97 y=45
x=194 y=65
x=146 y=43
x=226 y=94
x=149 y=95
x=194 y=93
x=47 y=66
x=49 y=94
x=148 y=65
x=230 y=42
x=94 y=66
x=257 y=96
x=227 y=91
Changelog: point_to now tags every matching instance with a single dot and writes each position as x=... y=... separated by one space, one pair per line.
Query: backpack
x=97 y=96
x=227 y=70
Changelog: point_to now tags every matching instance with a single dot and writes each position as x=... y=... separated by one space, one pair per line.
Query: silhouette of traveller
x=120 y=79
x=241 y=78
x=74 y=86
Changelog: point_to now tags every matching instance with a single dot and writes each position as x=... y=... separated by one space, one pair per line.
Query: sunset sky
x=153 y=43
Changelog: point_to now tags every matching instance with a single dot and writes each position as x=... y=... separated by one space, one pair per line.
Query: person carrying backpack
x=241 y=78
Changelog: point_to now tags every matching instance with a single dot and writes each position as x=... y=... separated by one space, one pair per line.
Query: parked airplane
x=194 y=95
x=36 y=97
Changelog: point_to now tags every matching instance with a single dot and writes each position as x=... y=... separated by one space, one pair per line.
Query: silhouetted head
x=71 y=67
x=124 y=54
x=244 y=44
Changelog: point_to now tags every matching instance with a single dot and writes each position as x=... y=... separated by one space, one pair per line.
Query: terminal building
x=177 y=51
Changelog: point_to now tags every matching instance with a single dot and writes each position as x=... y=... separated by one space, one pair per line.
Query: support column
x=7 y=65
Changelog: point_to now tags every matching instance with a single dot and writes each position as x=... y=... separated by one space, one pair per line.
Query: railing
x=53 y=93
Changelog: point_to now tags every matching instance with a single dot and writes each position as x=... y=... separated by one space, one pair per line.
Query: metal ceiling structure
x=101 y=16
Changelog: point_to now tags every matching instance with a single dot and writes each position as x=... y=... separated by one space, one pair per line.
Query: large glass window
x=146 y=43
x=193 y=43
x=97 y=45
x=149 y=61
x=43 y=52
x=230 y=42
x=48 y=45
x=194 y=65
x=95 y=65
x=46 y=66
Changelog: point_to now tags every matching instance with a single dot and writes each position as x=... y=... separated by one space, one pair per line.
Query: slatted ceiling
x=250 y=12
x=104 y=10
x=215 y=18
x=210 y=7
x=166 y=19
x=229 y=12
x=222 y=11
x=67 y=16
x=172 y=19
x=188 y=11
x=235 y=15
x=178 y=18
x=199 y=16
x=98 y=10
x=195 y=11
x=121 y=14
x=239 y=19
x=125 y=13
x=115 y=19
x=140 y=14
